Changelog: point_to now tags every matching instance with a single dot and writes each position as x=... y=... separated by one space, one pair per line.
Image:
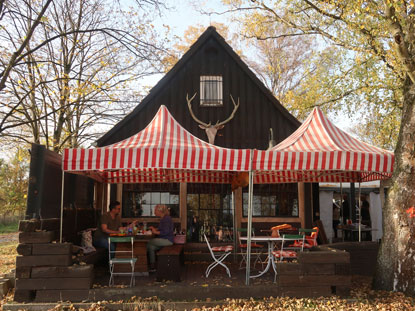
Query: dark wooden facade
x=45 y=190
x=259 y=111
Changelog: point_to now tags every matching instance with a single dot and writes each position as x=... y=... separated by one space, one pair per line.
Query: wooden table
x=140 y=252
x=271 y=241
x=350 y=232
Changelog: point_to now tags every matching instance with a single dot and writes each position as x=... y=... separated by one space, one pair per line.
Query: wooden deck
x=320 y=272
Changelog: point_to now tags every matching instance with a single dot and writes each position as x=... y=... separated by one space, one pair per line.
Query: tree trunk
x=396 y=258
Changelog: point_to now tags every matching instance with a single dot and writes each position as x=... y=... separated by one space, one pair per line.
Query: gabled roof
x=209 y=33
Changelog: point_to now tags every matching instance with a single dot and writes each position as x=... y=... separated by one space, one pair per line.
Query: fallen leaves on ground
x=7 y=256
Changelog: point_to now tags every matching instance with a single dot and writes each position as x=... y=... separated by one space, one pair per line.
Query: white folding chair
x=257 y=250
x=129 y=259
x=287 y=254
x=219 y=253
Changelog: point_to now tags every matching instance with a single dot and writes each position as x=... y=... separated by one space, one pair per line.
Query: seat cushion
x=311 y=240
x=226 y=248
x=284 y=254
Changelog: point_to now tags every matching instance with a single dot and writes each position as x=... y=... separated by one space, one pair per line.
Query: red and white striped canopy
x=163 y=152
x=319 y=151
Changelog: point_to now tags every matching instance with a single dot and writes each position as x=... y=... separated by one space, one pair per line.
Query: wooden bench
x=169 y=263
x=99 y=256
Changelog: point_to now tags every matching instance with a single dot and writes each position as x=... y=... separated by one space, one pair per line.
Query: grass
x=9 y=228
x=7 y=256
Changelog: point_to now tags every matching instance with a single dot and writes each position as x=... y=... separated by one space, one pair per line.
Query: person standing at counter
x=164 y=233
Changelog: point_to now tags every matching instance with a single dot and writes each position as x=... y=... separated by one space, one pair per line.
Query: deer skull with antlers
x=210 y=129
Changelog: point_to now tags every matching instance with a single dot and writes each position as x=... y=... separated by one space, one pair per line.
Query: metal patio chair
x=257 y=249
x=219 y=253
x=127 y=258
x=285 y=253
x=310 y=240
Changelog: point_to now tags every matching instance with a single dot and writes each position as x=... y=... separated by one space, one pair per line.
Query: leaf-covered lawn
x=7 y=256
x=362 y=297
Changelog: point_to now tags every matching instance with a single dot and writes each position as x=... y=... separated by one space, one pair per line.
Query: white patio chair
x=129 y=259
x=257 y=250
x=219 y=253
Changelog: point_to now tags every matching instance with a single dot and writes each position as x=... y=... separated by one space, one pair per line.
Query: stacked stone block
x=320 y=272
x=44 y=269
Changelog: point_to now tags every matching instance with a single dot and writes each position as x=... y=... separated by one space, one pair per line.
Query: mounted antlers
x=210 y=129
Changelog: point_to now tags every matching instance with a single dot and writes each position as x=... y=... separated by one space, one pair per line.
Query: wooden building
x=214 y=73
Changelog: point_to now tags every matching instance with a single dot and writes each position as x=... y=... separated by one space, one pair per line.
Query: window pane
x=146 y=198
x=174 y=199
x=211 y=90
x=274 y=200
x=155 y=198
x=165 y=196
x=245 y=210
x=210 y=203
x=152 y=209
x=146 y=210
x=139 y=199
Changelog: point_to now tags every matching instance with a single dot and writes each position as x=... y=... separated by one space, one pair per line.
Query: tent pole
x=341 y=203
x=360 y=217
x=62 y=194
x=249 y=231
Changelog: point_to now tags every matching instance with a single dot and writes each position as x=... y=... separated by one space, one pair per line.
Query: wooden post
x=97 y=195
x=183 y=206
x=238 y=206
x=301 y=203
x=119 y=195
x=105 y=197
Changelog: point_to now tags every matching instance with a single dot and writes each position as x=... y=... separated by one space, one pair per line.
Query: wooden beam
x=301 y=203
x=119 y=195
x=183 y=206
x=238 y=206
x=97 y=195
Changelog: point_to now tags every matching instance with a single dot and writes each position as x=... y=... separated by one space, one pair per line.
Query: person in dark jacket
x=164 y=233
x=365 y=211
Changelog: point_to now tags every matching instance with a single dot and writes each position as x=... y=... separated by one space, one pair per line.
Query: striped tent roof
x=163 y=152
x=319 y=151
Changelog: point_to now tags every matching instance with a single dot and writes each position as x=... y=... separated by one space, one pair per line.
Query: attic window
x=211 y=91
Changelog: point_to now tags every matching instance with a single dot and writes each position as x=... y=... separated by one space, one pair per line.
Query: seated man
x=110 y=224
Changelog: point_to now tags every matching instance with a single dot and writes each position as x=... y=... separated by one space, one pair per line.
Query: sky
x=186 y=13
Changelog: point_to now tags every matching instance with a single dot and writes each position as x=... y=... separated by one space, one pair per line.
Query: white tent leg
x=249 y=231
x=360 y=217
x=341 y=204
x=62 y=194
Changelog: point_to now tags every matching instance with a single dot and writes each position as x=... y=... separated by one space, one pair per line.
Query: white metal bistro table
x=271 y=241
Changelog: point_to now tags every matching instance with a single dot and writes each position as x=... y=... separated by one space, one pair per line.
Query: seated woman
x=164 y=232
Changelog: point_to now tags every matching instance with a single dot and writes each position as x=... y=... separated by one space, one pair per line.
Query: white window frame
x=211 y=91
